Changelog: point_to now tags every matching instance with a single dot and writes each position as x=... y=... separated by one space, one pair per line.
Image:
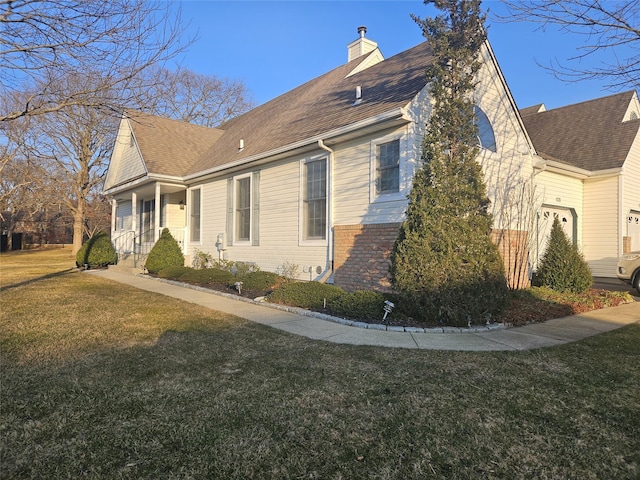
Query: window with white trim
x=194 y=215
x=242 y=209
x=314 y=200
x=388 y=167
x=387 y=164
x=486 y=137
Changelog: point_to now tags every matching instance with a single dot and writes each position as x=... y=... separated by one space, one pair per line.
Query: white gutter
x=329 y=271
x=557 y=167
x=397 y=113
x=143 y=180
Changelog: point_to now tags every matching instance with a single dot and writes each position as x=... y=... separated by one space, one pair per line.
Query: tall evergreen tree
x=444 y=264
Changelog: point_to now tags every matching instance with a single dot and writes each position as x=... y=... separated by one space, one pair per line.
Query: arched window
x=486 y=137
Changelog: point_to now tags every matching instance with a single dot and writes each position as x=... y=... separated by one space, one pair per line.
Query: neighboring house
x=591 y=175
x=317 y=177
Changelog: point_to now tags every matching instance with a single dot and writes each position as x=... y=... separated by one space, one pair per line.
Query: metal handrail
x=123 y=241
x=141 y=248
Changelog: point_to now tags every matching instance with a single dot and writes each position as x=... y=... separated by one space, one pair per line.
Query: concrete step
x=127 y=264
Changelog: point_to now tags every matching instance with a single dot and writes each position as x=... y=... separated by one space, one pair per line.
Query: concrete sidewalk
x=550 y=333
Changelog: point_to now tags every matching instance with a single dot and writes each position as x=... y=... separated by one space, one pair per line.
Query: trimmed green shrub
x=258 y=280
x=365 y=304
x=305 y=294
x=98 y=251
x=165 y=253
x=563 y=268
x=207 y=276
x=173 y=273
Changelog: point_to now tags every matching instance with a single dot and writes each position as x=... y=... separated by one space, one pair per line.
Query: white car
x=629 y=269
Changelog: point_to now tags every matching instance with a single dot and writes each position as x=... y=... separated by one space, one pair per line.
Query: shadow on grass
x=38 y=279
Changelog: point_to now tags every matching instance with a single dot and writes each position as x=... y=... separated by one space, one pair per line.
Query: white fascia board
x=393 y=114
x=510 y=97
x=575 y=172
x=143 y=181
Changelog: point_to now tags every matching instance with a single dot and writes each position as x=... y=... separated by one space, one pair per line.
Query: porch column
x=156 y=213
x=134 y=213
x=114 y=210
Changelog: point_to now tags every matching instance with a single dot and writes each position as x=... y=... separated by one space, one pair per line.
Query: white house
x=317 y=177
x=590 y=177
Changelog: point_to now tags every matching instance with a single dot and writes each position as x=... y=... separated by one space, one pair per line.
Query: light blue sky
x=274 y=46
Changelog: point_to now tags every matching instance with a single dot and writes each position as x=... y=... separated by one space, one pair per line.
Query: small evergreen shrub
x=207 y=276
x=563 y=268
x=165 y=253
x=173 y=273
x=305 y=294
x=258 y=280
x=98 y=251
x=365 y=304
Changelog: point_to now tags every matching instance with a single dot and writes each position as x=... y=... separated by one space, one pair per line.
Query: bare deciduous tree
x=196 y=98
x=609 y=27
x=75 y=144
x=43 y=41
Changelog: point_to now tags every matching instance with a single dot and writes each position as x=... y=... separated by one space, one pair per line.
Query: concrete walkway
x=299 y=322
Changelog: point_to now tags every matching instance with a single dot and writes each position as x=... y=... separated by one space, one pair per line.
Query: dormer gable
x=633 y=110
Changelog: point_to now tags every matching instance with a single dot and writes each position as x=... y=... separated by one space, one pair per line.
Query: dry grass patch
x=145 y=386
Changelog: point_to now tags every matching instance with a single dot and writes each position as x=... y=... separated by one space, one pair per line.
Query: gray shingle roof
x=170 y=147
x=318 y=106
x=588 y=135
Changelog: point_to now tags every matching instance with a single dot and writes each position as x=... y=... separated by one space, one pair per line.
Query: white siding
x=631 y=190
x=352 y=183
x=279 y=222
x=558 y=192
x=175 y=216
x=126 y=161
x=602 y=240
x=508 y=171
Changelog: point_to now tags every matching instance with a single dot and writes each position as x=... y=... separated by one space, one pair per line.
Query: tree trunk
x=78 y=227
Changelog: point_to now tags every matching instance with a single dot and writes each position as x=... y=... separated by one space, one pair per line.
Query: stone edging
x=323 y=316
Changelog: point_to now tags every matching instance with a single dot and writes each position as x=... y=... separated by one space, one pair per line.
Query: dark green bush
x=165 y=253
x=563 y=268
x=173 y=273
x=305 y=294
x=98 y=251
x=207 y=276
x=363 y=304
x=258 y=280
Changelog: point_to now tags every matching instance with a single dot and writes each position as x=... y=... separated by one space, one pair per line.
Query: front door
x=148 y=221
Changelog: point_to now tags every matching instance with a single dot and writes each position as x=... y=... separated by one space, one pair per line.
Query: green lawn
x=100 y=381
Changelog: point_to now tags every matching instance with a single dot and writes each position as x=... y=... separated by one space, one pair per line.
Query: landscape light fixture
x=388 y=307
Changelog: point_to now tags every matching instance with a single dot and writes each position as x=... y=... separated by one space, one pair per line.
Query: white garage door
x=633 y=229
x=545 y=222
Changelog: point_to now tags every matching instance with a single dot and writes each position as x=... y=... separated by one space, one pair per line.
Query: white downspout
x=156 y=214
x=114 y=210
x=329 y=271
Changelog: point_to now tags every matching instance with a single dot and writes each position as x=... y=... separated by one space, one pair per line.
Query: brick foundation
x=361 y=256
x=362 y=252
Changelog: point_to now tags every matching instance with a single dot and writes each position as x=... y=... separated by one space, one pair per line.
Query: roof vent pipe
x=241 y=145
x=358 y=95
